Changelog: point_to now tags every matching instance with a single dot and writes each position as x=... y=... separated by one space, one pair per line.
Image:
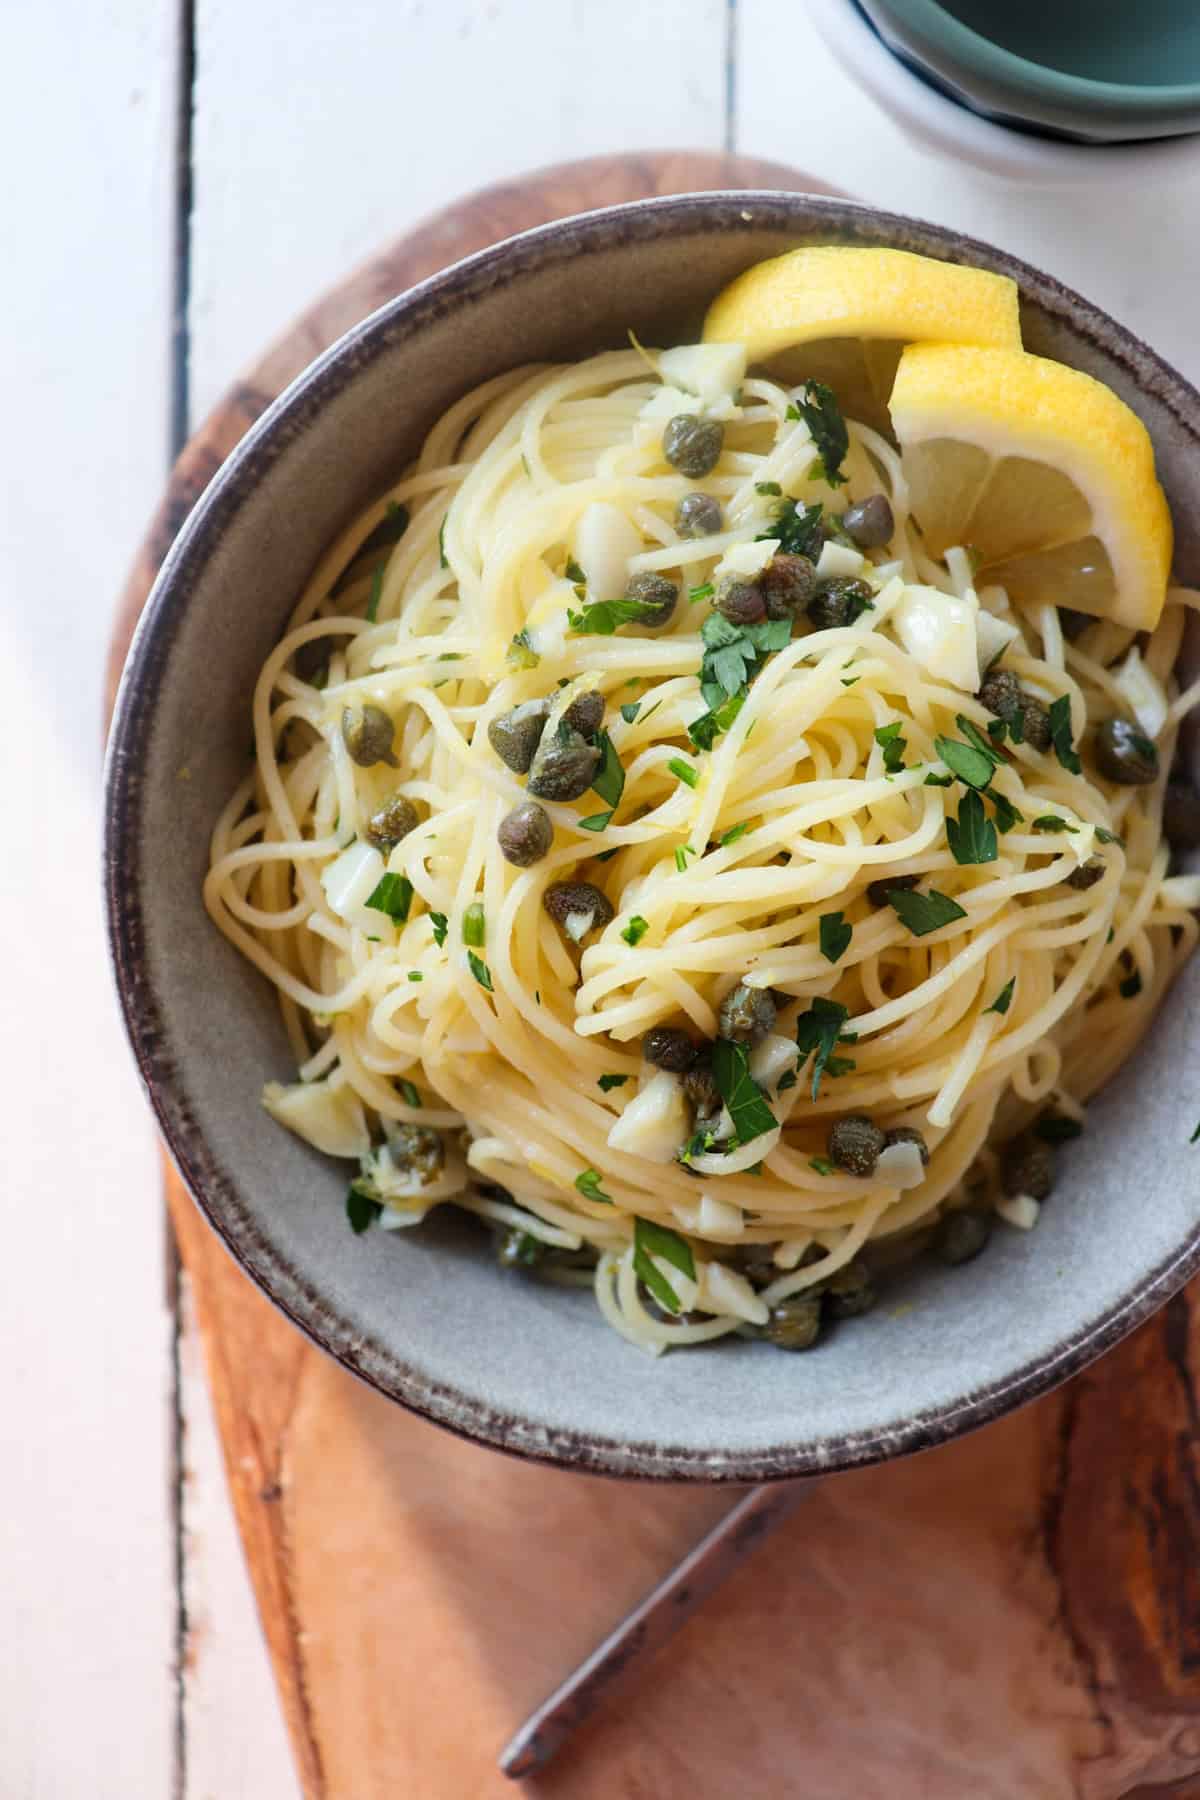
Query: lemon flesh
x=1042 y=470
x=843 y=315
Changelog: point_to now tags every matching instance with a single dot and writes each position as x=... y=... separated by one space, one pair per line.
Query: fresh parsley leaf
x=440 y=927
x=629 y=711
x=851 y=681
x=704 y=731
x=818 y=1032
x=1003 y=999
x=686 y=771
x=923 y=913
x=823 y=416
x=610 y=776
x=744 y=1099
x=410 y=1093
x=734 y=833
x=974 y=736
x=595 y=821
x=682 y=852
x=893 y=746
x=1108 y=837
x=442 y=542
x=474 y=925
x=1007 y=815
x=650 y=1241
x=932 y=780
x=705 y=591
x=768 y=487
x=521 y=653
x=972 y=836
x=636 y=930
x=606 y=616
x=606 y=1083
x=793 y=411
x=972 y=765
x=480 y=971
x=376 y=593
x=607 y=855
x=360 y=1211
x=798 y=529
x=415 y=975
x=574 y=573
x=835 y=936
x=588 y=1184
x=1053 y=822
x=821 y=1164
x=1053 y=1128
x=392 y=895
x=1060 y=734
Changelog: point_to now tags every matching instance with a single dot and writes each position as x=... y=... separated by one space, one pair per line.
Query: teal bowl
x=1103 y=73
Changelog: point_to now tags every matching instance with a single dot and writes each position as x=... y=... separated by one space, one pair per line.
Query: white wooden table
x=178 y=180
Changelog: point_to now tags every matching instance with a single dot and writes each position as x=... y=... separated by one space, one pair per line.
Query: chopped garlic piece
x=329 y=1118
x=350 y=880
x=1143 y=692
x=716 y=1218
x=654 y=1124
x=900 y=1166
x=772 y=1058
x=723 y=1290
x=603 y=543
x=992 y=637
x=713 y=372
x=1021 y=1210
x=839 y=559
x=1182 y=890
x=938 y=632
x=746 y=560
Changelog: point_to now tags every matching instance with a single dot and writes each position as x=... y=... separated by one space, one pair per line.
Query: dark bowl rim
x=453 y=289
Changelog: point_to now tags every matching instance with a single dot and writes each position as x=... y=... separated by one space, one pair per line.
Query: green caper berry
x=757 y=1263
x=878 y=891
x=1086 y=875
x=394 y=820
x=417 y=1147
x=1125 y=755
x=849 y=1291
x=1181 y=815
x=788 y=584
x=795 y=1323
x=962 y=1235
x=1035 y=724
x=698 y=515
x=585 y=713
x=563 y=767
x=578 y=907
x=746 y=1014
x=516 y=1249
x=1003 y=695
x=869 y=523
x=855 y=1143
x=692 y=444
x=367 y=733
x=656 y=595
x=1027 y=1167
x=839 y=601
x=907 y=1134
x=669 y=1049
x=741 y=602
x=525 y=834
x=700 y=1087
x=515 y=735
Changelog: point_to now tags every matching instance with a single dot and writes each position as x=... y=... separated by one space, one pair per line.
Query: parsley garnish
x=588 y=1184
x=733 y=654
x=629 y=711
x=376 y=592
x=768 y=487
x=606 y=1083
x=932 y=780
x=393 y=896
x=609 y=783
x=595 y=822
x=705 y=591
x=636 y=930
x=819 y=1031
x=744 y=1099
x=974 y=762
x=1003 y=999
x=415 y=975
x=1108 y=837
x=1060 y=734
x=1007 y=815
x=651 y=1240
x=440 y=927
x=474 y=927
x=821 y=1164
x=574 y=573
x=1053 y=822
x=602 y=619
x=682 y=852
x=893 y=746
x=410 y=1094
x=705 y=730
x=923 y=913
x=521 y=653
x=835 y=936
x=823 y=416
x=798 y=528
x=684 y=770
x=442 y=542
x=1053 y=1128
x=972 y=836
x=360 y=1210
x=734 y=833
x=480 y=971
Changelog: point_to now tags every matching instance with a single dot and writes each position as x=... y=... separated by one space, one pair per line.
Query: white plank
x=236 y=1743
x=86 y=1556
x=1137 y=254
x=318 y=141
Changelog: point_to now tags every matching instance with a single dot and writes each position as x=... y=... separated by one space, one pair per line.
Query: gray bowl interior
x=424 y=1315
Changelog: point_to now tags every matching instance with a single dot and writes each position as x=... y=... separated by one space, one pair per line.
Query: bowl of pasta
x=686 y=846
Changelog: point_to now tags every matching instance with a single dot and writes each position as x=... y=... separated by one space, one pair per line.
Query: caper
x=668 y=1048
x=417 y=1147
x=700 y=1087
x=1071 y=623
x=585 y=713
x=741 y=602
x=394 y=820
x=563 y=766
x=795 y=1323
x=1004 y=696
x=746 y=1013
x=757 y=1263
x=1027 y=1167
x=515 y=735
x=525 y=834
x=838 y=601
x=367 y=733
x=656 y=595
x=907 y=1134
x=698 y=515
x=849 y=1291
x=1001 y=693
x=870 y=522
x=516 y=1249
x=788 y=584
x=578 y=907
x=1035 y=724
x=855 y=1143
x=878 y=891
x=962 y=1235
x=1181 y=815
x=1087 y=874
x=692 y=444
x=1125 y=754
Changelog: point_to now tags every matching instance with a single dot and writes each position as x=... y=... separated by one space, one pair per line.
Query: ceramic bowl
x=425 y=1316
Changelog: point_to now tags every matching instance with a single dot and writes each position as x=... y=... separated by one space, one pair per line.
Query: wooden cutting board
x=1013 y=1617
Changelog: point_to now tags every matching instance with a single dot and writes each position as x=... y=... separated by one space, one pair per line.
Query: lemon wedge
x=1042 y=470
x=842 y=315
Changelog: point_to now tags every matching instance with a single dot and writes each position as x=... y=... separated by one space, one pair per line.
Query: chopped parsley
x=1060 y=734
x=823 y=416
x=893 y=746
x=606 y=1083
x=797 y=527
x=480 y=971
x=603 y=618
x=818 y=1033
x=768 y=487
x=393 y=895
x=588 y=1184
x=651 y=1241
x=923 y=913
x=1053 y=822
x=442 y=559
x=574 y=573
x=704 y=591
x=974 y=762
x=972 y=836
x=521 y=653
x=1003 y=999
x=744 y=1099
x=376 y=592
x=1108 y=837
x=440 y=927
x=704 y=731
x=686 y=772
x=835 y=936
x=361 y=1211
x=933 y=780
x=821 y=1164
x=636 y=930
x=415 y=975
x=734 y=833
x=609 y=783
x=629 y=711
x=1007 y=815
x=410 y=1094
x=682 y=852
x=474 y=926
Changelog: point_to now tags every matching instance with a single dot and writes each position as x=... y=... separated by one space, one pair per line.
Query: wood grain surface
x=1013 y=1617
